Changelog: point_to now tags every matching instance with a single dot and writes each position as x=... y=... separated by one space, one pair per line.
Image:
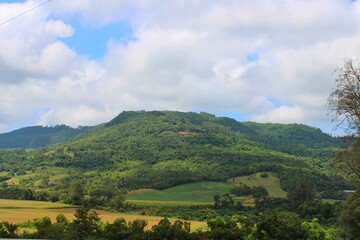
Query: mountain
x=160 y=149
x=39 y=136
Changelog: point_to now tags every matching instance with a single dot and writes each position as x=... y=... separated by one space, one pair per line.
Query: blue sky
x=92 y=41
x=83 y=62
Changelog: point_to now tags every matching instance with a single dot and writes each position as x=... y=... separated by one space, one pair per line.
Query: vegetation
x=173 y=148
x=193 y=192
x=186 y=160
x=87 y=224
x=39 y=136
x=344 y=103
x=270 y=182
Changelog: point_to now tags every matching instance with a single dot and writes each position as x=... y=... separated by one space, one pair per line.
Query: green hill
x=39 y=136
x=202 y=192
x=163 y=149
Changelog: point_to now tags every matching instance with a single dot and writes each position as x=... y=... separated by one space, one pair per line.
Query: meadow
x=271 y=183
x=200 y=193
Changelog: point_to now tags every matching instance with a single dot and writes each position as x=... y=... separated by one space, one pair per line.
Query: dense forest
x=39 y=136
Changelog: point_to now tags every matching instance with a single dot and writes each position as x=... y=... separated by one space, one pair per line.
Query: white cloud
x=282 y=114
x=186 y=55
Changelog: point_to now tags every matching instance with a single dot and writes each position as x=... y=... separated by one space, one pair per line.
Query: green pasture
x=166 y=203
x=192 y=193
x=272 y=183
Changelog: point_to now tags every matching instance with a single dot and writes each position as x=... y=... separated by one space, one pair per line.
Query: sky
x=83 y=62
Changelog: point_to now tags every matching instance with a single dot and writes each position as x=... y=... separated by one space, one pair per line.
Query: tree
x=119 y=229
x=313 y=230
x=279 y=225
x=85 y=224
x=76 y=192
x=166 y=230
x=349 y=220
x=301 y=190
x=8 y=230
x=226 y=227
x=348 y=161
x=344 y=100
x=344 y=104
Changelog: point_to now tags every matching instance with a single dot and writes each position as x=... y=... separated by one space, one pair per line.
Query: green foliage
x=39 y=136
x=8 y=230
x=165 y=230
x=349 y=220
x=244 y=190
x=264 y=175
x=226 y=201
x=313 y=230
x=301 y=190
x=235 y=227
x=283 y=225
x=171 y=148
x=85 y=224
x=326 y=213
x=45 y=229
x=271 y=183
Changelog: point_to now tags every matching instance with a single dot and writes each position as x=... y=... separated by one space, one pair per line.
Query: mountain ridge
x=160 y=149
x=39 y=136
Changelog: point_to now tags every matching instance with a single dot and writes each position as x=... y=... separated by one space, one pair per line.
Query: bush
x=264 y=175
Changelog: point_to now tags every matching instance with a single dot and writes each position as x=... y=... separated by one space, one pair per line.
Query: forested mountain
x=39 y=136
x=139 y=149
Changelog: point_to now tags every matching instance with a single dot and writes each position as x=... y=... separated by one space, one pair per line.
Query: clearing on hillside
x=271 y=183
x=192 y=193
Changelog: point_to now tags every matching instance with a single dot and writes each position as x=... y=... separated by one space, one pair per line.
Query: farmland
x=16 y=211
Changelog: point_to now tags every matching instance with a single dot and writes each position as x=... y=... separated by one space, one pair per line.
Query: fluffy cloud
x=217 y=56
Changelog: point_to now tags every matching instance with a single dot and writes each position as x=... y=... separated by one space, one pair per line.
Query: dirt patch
x=187 y=133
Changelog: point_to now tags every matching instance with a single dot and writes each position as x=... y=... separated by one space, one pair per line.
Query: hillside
x=164 y=149
x=39 y=136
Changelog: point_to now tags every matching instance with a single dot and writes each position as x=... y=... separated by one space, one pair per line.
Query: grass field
x=167 y=203
x=186 y=194
x=272 y=183
x=21 y=211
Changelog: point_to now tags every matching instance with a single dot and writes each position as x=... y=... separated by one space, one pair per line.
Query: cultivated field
x=21 y=211
x=19 y=204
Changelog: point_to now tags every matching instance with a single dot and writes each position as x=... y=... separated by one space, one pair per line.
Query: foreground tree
x=344 y=103
x=85 y=224
x=279 y=225
x=350 y=217
x=344 y=100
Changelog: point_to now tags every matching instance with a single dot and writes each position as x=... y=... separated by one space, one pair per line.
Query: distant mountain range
x=39 y=136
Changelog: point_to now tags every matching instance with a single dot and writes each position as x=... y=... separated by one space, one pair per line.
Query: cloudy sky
x=83 y=62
